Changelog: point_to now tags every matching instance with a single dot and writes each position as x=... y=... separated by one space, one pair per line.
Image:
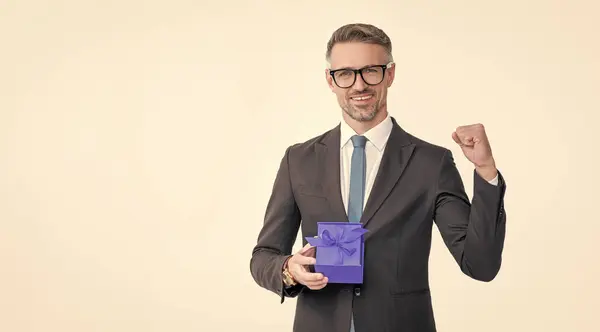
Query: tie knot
x=359 y=141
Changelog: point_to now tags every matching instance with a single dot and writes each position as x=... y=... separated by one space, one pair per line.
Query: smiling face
x=363 y=98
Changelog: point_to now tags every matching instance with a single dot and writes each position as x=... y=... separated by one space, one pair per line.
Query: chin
x=363 y=115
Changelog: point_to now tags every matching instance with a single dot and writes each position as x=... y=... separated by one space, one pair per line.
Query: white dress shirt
x=377 y=138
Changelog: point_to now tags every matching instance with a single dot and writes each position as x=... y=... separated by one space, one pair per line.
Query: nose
x=359 y=84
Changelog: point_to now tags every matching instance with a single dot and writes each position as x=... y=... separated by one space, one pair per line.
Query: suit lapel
x=328 y=156
x=396 y=155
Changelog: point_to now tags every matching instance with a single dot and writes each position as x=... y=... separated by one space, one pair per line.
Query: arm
x=277 y=236
x=473 y=232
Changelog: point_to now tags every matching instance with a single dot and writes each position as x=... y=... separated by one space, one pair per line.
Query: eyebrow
x=351 y=68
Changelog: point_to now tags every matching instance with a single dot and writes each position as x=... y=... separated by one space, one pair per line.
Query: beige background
x=139 y=142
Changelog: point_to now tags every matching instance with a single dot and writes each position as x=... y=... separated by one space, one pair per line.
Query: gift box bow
x=339 y=239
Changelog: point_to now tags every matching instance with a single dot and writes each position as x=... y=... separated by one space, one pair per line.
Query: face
x=364 y=100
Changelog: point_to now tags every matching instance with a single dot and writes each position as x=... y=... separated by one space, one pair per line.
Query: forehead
x=357 y=55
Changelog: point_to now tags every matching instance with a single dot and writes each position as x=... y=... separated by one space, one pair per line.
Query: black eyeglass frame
x=360 y=72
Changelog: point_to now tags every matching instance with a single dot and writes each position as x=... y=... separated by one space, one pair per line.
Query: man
x=407 y=186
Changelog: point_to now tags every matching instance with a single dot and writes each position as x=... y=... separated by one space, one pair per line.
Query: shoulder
x=429 y=147
x=426 y=149
x=309 y=147
x=429 y=158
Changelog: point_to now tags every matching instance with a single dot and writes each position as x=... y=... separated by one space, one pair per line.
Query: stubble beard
x=362 y=114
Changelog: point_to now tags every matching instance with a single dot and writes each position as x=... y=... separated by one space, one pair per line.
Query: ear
x=329 y=80
x=391 y=74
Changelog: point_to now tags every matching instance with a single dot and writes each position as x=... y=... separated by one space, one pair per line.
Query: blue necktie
x=357 y=185
x=357 y=179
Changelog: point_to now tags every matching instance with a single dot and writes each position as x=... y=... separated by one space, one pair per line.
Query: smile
x=361 y=98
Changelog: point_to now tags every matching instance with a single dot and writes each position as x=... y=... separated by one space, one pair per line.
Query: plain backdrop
x=139 y=141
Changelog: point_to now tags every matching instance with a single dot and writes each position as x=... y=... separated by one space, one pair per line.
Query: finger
x=456 y=138
x=467 y=128
x=307 y=277
x=309 y=252
x=464 y=137
x=310 y=277
x=318 y=284
x=306 y=247
x=303 y=260
x=315 y=285
x=468 y=141
x=462 y=140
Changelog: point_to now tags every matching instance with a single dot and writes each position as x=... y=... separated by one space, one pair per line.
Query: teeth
x=361 y=98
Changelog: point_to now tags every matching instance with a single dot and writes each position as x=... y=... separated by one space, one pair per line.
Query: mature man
x=369 y=170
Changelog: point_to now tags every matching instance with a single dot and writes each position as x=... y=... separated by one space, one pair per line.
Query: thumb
x=463 y=141
x=456 y=138
x=305 y=249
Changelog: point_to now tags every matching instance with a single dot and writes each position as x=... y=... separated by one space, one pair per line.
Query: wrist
x=488 y=173
x=285 y=263
x=288 y=278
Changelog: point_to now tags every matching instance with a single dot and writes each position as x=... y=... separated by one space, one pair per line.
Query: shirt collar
x=377 y=135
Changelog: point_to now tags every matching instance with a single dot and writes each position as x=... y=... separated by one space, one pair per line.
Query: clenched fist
x=474 y=143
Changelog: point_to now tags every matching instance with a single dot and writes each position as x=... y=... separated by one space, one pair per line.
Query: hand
x=474 y=143
x=298 y=268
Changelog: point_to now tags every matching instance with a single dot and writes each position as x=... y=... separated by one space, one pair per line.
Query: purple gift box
x=339 y=251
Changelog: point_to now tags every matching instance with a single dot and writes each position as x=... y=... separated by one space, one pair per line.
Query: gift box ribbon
x=339 y=240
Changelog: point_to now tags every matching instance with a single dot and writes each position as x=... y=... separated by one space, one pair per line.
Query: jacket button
x=357 y=291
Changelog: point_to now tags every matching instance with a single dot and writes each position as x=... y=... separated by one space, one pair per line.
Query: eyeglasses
x=371 y=75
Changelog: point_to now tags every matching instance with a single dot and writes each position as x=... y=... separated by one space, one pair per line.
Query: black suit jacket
x=417 y=185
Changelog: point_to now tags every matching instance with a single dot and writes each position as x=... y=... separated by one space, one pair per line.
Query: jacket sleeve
x=277 y=235
x=474 y=232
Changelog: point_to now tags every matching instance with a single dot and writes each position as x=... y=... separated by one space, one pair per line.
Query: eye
x=371 y=70
x=344 y=73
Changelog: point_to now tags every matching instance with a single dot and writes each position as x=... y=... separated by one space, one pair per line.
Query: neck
x=361 y=127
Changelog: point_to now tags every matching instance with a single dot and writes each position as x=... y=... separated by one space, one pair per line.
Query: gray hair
x=360 y=32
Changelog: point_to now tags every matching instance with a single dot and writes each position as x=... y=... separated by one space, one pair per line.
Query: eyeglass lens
x=371 y=75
